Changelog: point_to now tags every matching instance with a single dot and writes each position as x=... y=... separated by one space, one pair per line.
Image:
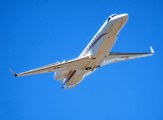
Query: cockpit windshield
x=112 y=16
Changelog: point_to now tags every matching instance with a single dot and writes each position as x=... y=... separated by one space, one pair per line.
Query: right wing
x=117 y=57
x=74 y=64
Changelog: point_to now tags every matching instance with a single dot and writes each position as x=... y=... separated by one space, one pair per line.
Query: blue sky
x=36 y=33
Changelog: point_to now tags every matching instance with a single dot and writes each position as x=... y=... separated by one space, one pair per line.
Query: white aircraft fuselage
x=98 y=48
x=96 y=54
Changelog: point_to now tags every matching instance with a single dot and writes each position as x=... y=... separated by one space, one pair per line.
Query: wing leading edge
x=117 y=57
x=74 y=64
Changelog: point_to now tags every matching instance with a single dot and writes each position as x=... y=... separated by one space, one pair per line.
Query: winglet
x=152 y=51
x=13 y=73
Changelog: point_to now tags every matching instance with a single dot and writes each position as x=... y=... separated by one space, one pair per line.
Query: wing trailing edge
x=75 y=64
x=117 y=57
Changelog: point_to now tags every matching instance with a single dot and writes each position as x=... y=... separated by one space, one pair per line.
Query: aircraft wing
x=117 y=57
x=74 y=64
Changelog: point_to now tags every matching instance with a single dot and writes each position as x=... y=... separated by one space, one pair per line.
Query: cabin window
x=108 y=18
x=112 y=16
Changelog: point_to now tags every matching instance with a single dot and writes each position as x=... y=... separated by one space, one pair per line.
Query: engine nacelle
x=60 y=75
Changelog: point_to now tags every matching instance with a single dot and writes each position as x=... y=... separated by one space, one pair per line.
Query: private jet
x=96 y=54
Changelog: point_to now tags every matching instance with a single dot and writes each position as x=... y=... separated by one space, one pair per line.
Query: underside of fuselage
x=105 y=40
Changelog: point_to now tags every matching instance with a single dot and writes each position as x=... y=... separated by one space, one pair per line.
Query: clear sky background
x=36 y=33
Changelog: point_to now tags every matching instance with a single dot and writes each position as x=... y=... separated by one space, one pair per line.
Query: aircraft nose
x=123 y=17
x=119 y=21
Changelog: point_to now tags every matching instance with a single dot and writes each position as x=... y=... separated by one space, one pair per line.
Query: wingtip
x=152 y=51
x=13 y=73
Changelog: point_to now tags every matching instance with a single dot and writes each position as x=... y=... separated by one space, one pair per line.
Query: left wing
x=117 y=57
x=74 y=64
